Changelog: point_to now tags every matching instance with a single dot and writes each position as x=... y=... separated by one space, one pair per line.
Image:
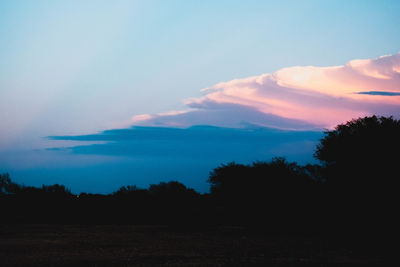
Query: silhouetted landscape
x=338 y=213
x=199 y=133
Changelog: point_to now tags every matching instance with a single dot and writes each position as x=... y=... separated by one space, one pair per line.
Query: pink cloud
x=296 y=97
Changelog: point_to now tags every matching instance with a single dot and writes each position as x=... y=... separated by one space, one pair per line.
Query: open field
x=122 y=245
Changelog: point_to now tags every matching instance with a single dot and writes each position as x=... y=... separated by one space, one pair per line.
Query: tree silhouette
x=276 y=194
x=361 y=154
x=5 y=182
x=7 y=186
x=172 y=193
x=56 y=190
x=277 y=178
x=360 y=160
x=228 y=180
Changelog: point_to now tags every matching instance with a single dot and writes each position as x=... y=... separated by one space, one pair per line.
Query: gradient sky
x=81 y=67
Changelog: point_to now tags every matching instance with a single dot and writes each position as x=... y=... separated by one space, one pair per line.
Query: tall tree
x=362 y=153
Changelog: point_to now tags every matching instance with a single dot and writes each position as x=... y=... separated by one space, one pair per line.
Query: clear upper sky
x=79 y=67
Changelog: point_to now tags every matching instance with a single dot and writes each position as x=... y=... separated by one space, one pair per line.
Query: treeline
x=354 y=187
x=159 y=204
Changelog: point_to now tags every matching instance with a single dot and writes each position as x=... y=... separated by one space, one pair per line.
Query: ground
x=122 y=245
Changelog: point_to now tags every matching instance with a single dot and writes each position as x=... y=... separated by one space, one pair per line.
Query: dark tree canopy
x=261 y=183
x=5 y=182
x=362 y=152
x=7 y=186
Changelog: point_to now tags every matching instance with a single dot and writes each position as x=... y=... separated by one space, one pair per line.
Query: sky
x=258 y=70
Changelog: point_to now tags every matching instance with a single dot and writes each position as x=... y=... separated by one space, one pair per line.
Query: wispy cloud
x=379 y=93
x=301 y=97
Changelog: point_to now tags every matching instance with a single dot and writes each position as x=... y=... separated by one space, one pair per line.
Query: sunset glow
x=322 y=96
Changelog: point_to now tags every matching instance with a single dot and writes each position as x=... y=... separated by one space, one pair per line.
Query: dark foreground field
x=78 y=245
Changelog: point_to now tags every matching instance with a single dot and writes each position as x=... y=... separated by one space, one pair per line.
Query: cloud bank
x=197 y=142
x=145 y=155
x=299 y=98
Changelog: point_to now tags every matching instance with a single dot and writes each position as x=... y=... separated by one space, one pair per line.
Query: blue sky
x=80 y=67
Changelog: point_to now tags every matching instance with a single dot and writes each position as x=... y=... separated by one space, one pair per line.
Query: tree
x=362 y=154
x=7 y=186
x=360 y=164
x=229 y=180
x=274 y=181
x=5 y=182
x=172 y=191
x=126 y=190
